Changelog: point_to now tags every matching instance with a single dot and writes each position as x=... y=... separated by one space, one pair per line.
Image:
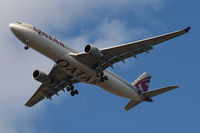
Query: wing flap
x=122 y=56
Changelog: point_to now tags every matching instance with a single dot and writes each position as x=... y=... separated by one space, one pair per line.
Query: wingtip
x=174 y=86
x=187 y=29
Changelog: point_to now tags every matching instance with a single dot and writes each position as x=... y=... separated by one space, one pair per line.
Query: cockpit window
x=19 y=22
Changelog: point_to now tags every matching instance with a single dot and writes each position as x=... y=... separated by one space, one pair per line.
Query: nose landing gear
x=26 y=47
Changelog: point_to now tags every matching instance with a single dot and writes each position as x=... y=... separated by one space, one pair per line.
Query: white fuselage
x=60 y=53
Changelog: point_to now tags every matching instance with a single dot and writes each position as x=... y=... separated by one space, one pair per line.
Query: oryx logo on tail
x=142 y=83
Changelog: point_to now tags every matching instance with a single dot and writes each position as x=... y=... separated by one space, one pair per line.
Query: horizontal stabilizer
x=131 y=104
x=156 y=92
x=148 y=95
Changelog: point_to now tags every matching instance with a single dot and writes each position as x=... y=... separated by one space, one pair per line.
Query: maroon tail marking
x=143 y=84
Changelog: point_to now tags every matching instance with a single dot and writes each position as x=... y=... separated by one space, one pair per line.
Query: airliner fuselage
x=89 y=67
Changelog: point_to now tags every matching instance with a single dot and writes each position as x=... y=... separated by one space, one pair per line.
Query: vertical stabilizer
x=142 y=82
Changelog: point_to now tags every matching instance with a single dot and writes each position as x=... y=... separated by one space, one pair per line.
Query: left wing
x=59 y=80
x=115 y=54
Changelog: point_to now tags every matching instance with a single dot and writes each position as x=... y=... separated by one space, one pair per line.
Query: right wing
x=59 y=80
x=122 y=52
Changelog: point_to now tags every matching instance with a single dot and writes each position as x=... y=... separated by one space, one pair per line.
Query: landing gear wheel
x=68 y=89
x=105 y=77
x=72 y=93
x=76 y=92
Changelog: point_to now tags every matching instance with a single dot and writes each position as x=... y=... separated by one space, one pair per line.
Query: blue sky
x=103 y=23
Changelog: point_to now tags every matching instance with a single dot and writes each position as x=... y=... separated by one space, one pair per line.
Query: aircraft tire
x=68 y=89
x=72 y=93
x=105 y=77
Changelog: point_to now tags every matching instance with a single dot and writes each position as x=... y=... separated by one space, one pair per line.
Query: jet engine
x=41 y=76
x=93 y=51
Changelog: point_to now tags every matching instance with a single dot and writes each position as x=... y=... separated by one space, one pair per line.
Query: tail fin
x=142 y=82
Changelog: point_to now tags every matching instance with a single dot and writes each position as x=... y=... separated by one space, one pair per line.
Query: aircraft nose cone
x=12 y=27
x=17 y=30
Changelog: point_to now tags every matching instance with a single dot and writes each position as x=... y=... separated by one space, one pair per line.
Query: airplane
x=90 y=66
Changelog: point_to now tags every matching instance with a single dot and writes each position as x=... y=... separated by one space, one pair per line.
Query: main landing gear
x=102 y=76
x=73 y=92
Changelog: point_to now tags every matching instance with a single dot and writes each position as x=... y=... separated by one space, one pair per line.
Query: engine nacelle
x=93 y=51
x=41 y=76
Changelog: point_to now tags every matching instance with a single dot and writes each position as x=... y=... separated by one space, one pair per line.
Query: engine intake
x=41 y=76
x=93 y=51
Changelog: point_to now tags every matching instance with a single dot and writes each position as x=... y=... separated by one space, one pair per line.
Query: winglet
x=187 y=29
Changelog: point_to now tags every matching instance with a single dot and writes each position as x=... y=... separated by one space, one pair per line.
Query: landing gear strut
x=73 y=92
